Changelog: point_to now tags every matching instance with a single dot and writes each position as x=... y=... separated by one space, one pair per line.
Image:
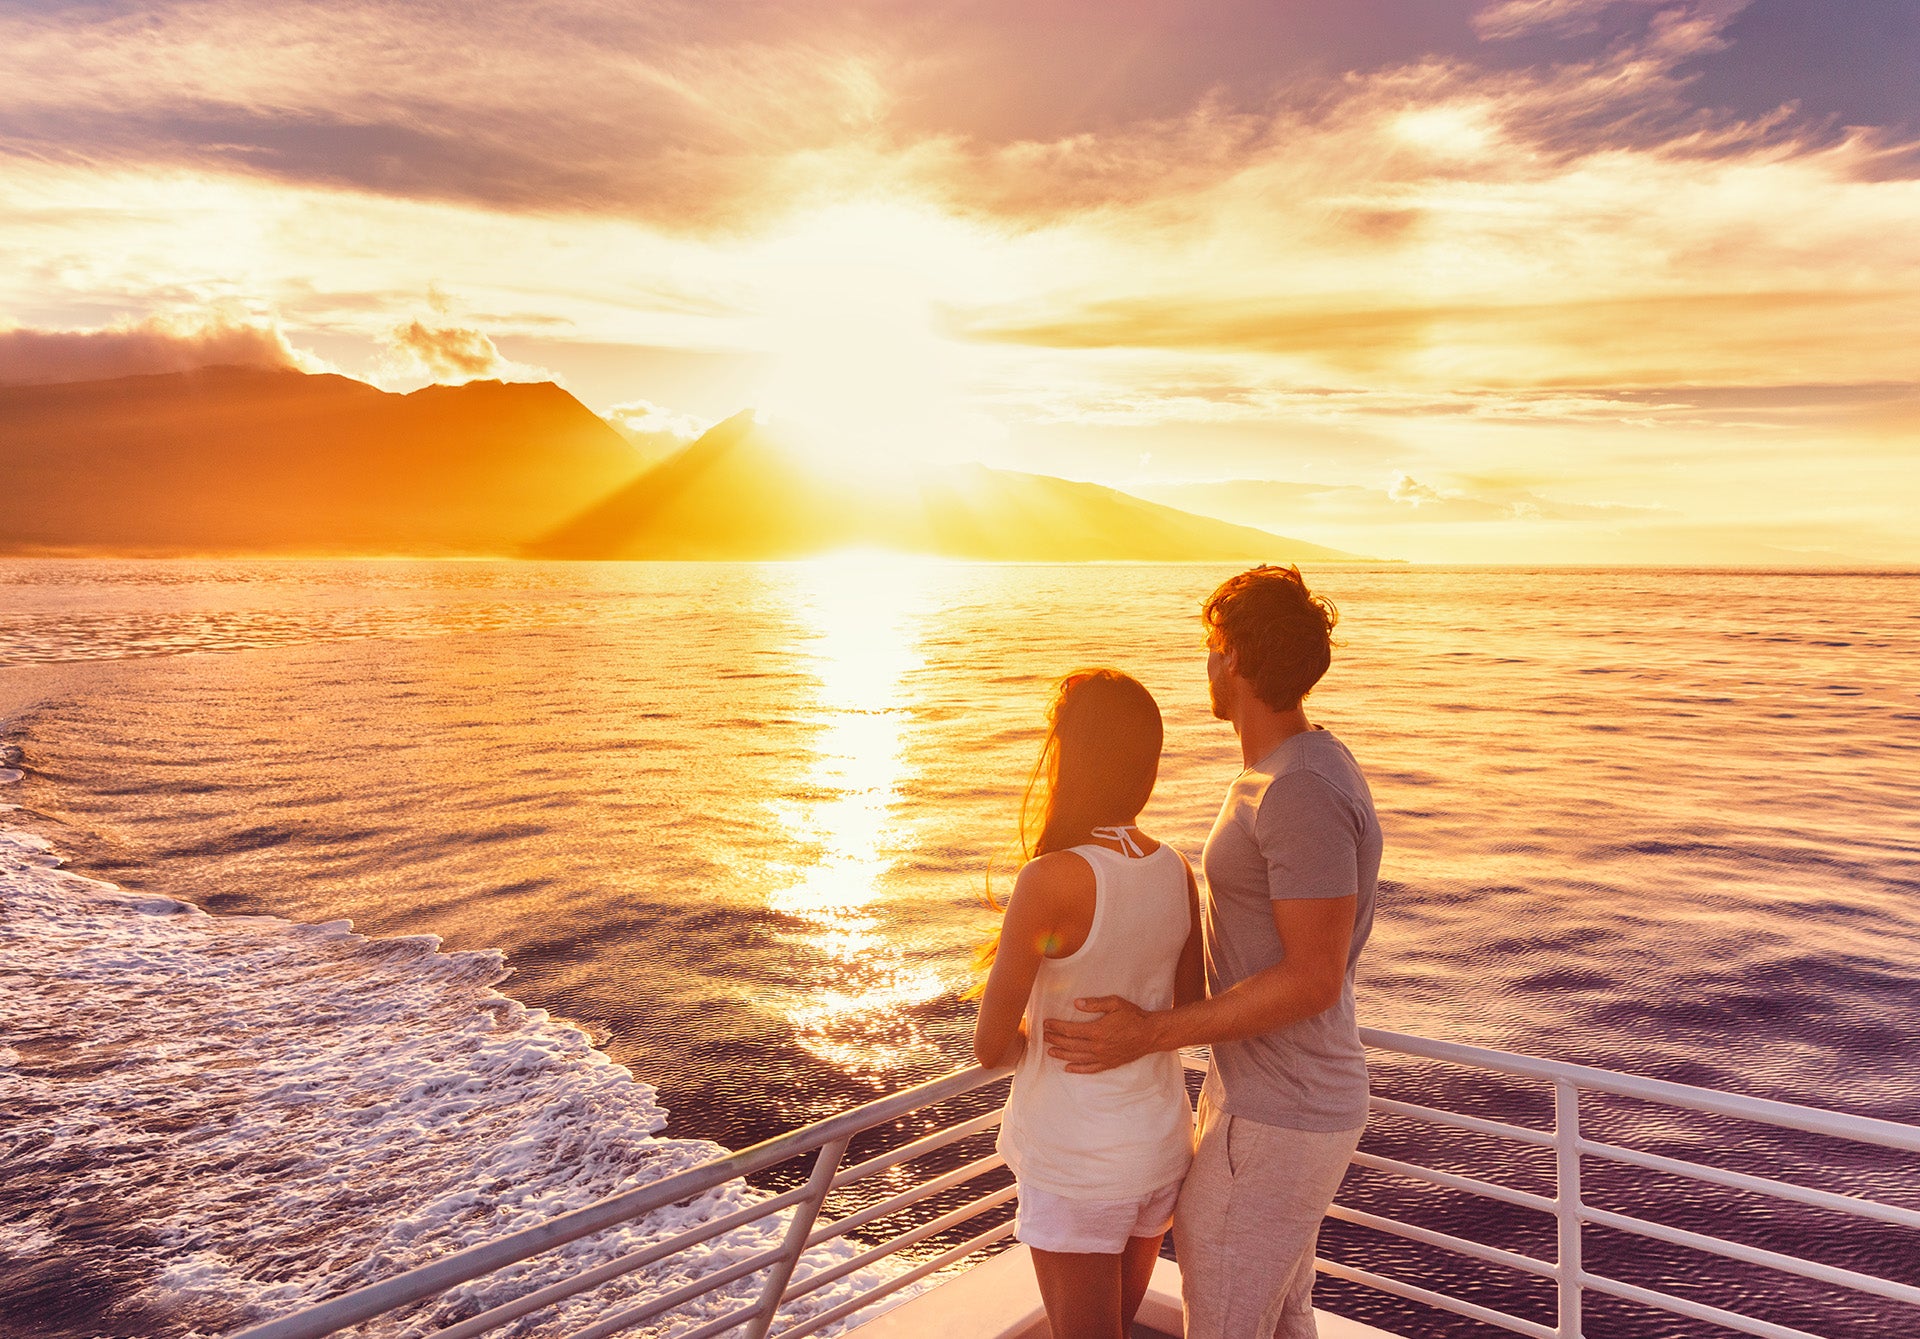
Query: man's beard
x=1217 y=700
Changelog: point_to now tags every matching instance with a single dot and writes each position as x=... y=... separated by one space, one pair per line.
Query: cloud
x=1652 y=340
x=678 y=113
x=449 y=353
x=1364 y=154
x=724 y=115
x=1515 y=17
x=654 y=429
x=1405 y=488
x=1508 y=19
x=455 y=354
x=1619 y=240
x=1410 y=519
x=1144 y=397
x=1506 y=525
x=154 y=344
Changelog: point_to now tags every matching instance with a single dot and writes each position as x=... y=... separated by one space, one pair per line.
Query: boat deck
x=837 y=1210
x=999 y=1299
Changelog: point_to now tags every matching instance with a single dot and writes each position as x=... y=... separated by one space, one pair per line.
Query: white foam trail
x=269 y=1113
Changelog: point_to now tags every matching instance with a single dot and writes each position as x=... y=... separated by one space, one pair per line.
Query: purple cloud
x=157 y=344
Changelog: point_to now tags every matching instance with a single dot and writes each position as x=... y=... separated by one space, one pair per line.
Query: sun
x=852 y=314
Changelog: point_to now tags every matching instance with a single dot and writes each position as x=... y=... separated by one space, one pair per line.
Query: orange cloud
x=1439 y=237
x=728 y=114
x=453 y=354
x=1656 y=340
x=449 y=353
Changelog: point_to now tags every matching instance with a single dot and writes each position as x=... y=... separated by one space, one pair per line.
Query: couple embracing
x=1110 y=959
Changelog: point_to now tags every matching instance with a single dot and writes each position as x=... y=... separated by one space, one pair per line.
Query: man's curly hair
x=1279 y=633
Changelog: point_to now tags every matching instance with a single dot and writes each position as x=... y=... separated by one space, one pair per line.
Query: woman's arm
x=1032 y=922
x=1190 y=982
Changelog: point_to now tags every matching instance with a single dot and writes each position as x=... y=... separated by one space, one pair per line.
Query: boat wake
x=209 y=1120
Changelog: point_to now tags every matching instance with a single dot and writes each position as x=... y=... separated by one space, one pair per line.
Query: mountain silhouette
x=249 y=460
x=725 y=496
x=741 y=492
x=231 y=460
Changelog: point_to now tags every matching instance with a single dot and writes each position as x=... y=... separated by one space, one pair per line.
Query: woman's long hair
x=1096 y=768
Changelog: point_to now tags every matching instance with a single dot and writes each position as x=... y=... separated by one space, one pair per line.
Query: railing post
x=1566 y=1146
x=825 y=1163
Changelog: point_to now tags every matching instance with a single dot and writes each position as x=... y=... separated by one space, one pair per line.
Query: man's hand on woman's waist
x=1123 y=1034
x=1315 y=934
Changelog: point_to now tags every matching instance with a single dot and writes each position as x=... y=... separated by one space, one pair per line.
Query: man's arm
x=1316 y=934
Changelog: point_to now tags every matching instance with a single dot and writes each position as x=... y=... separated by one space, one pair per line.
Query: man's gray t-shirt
x=1297 y=824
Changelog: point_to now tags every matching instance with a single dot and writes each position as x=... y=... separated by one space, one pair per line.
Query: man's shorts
x=1049 y=1222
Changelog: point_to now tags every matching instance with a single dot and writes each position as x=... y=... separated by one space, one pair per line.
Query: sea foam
x=214 y=1119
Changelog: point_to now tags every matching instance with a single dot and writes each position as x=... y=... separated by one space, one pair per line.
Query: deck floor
x=998 y=1299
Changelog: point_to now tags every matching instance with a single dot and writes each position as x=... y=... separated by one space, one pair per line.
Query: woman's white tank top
x=1126 y=1132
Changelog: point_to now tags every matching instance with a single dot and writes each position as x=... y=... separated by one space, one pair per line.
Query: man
x=1291 y=867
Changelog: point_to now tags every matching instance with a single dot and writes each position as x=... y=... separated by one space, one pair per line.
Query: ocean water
x=731 y=824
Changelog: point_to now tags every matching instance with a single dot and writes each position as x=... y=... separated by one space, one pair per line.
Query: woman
x=1099 y=908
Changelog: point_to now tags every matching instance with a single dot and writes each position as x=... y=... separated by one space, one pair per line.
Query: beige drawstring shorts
x=1248 y=1222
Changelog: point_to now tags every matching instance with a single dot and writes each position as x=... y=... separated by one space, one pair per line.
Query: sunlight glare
x=853 y=318
x=863 y=612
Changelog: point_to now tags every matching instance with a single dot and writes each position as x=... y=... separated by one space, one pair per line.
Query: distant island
x=231 y=460
x=740 y=492
x=249 y=460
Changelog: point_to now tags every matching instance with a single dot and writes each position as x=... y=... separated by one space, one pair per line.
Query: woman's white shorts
x=1049 y=1222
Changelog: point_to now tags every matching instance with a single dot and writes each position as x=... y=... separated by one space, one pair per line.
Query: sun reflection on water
x=864 y=617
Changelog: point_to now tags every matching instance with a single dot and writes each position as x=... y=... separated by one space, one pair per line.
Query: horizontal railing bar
x=613 y=1269
x=1680 y=1306
x=1471 y=1185
x=436 y=1277
x=1754 y=1255
x=841 y=1226
x=1526 y=1264
x=1414 y=1293
x=1863 y=1129
x=428 y=1280
x=1759 y=1185
x=893 y=1285
x=952 y=1218
x=1459 y=1121
x=906 y=1152
x=633 y=1315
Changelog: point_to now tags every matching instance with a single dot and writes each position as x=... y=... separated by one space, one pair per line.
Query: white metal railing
x=828 y=1141
x=1571 y=1213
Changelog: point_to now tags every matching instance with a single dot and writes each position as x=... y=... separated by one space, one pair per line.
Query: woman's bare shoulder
x=1055 y=877
x=1054 y=897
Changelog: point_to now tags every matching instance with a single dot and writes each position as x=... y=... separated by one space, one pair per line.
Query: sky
x=1445 y=280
